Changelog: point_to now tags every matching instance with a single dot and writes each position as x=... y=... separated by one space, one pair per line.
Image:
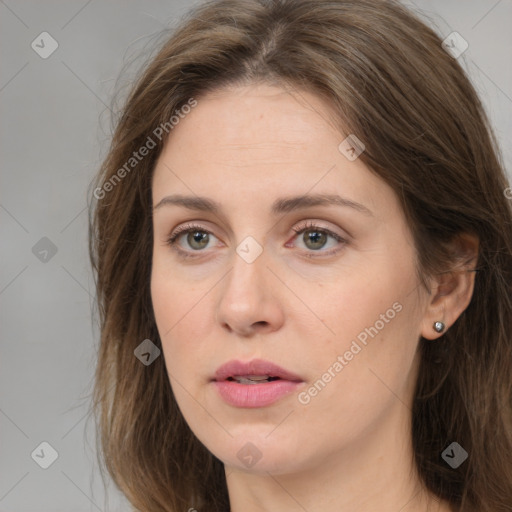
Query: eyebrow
x=279 y=206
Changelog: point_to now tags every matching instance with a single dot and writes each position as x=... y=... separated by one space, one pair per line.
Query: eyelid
x=309 y=224
x=188 y=227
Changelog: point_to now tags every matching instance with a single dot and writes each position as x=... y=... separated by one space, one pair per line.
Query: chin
x=255 y=451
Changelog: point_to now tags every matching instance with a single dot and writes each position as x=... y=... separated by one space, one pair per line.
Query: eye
x=197 y=238
x=315 y=238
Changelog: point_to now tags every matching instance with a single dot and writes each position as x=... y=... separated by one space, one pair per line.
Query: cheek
x=181 y=343
x=355 y=385
x=374 y=317
x=360 y=306
x=178 y=312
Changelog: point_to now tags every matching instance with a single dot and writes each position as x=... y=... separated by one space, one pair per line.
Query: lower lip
x=254 y=395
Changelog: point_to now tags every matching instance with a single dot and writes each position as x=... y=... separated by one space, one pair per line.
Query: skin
x=349 y=447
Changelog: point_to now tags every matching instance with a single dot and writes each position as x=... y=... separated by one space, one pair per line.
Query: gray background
x=55 y=126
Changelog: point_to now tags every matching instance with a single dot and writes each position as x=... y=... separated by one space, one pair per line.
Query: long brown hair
x=390 y=82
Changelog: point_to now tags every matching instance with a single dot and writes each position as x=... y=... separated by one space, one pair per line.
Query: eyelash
x=171 y=240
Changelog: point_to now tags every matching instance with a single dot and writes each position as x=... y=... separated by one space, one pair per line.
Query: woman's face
x=327 y=291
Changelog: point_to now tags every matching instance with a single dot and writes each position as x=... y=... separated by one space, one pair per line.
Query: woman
x=303 y=247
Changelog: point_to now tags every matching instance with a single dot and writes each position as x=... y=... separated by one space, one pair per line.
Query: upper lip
x=254 y=367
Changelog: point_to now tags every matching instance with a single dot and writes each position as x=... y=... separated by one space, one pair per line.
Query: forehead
x=259 y=140
x=254 y=122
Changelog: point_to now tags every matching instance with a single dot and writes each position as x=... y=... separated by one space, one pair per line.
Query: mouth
x=252 y=379
x=256 y=383
x=255 y=371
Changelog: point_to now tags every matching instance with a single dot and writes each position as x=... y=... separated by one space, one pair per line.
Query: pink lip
x=254 y=395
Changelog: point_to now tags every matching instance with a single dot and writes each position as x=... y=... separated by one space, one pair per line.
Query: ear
x=452 y=290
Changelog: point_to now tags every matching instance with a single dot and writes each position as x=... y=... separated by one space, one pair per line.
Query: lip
x=254 y=395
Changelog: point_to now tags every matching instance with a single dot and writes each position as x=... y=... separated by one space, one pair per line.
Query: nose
x=248 y=303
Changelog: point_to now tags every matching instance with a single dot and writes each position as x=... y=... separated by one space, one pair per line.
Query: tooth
x=247 y=381
x=251 y=379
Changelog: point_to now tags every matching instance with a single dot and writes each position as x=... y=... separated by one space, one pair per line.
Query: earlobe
x=453 y=290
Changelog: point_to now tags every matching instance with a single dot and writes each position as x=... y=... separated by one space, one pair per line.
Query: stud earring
x=439 y=326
